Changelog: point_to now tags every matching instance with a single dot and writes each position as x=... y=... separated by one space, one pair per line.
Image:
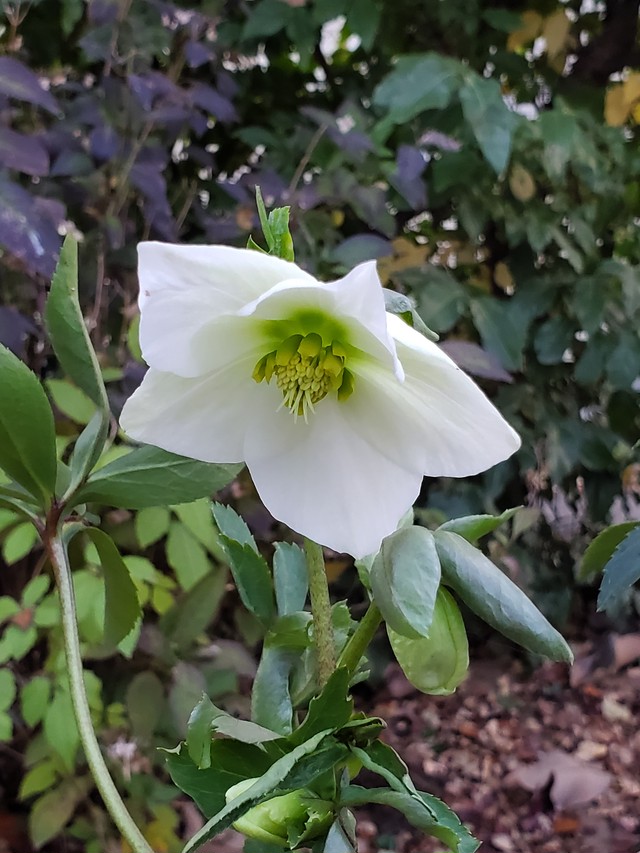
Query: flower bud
x=285 y=821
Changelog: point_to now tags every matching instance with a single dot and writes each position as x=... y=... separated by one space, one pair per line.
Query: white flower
x=337 y=408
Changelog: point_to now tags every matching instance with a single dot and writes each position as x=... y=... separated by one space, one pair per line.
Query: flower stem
x=321 y=610
x=360 y=639
x=116 y=808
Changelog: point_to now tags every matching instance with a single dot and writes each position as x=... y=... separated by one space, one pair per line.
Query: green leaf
x=38 y=779
x=151 y=524
x=489 y=119
x=231 y=762
x=186 y=556
x=492 y=596
x=231 y=525
x=67 y=330
x=87 y=450
x=622 y=570
x=35 y=590
x=398 y=303
x=271 y=704
x=438 y=663
x=52 y=812
x=71 y=401
x=34 y=698
x=283 y=776
x=192 y=613
x=27 y=432
x=253 y=579
x=600 y=550
x=418 y=82
x=149 y=476
x=206 y=720
x=19 y=542
x=145 y=703
x=122 y=608
x=281 y=236
x=290 y=578
x=341 y=837
x=404 y=578
x=7 y=689
x=425 y=812
x=474 y=527
x=331 y=709
x=60 y=729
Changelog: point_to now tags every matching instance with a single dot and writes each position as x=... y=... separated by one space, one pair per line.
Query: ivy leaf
x=27 y=432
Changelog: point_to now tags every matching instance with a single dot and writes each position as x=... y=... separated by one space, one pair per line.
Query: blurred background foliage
x=486 y=155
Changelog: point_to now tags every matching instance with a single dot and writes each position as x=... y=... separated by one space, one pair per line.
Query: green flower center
x=306 y=371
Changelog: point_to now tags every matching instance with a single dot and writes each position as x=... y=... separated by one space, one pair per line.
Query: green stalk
x=360 y=639
x=116 y=808
x=321 y=611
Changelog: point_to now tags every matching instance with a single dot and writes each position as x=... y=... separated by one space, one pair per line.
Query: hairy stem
x=360 y=639
x=321 y=610
x=113 y=801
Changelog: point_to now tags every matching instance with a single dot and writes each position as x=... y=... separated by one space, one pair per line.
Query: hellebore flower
x=337 y=408
x=285 y=821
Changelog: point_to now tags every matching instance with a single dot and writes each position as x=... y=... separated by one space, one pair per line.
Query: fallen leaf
x=615 y=711
x=573 y=782
x=626 y=649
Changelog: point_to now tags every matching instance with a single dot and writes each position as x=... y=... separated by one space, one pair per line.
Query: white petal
x=355 y=302
x=201 y=418
x=324 y=480
x=437 y=419
x=185 y=290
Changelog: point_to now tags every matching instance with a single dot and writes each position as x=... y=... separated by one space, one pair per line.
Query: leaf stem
x=360 y=639
x=116 y=808
x=321 y=610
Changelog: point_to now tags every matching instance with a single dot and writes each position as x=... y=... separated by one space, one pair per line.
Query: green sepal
x=403 y=307
x=474 y=527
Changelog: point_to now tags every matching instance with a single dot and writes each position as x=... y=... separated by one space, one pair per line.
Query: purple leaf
x=28 y=230
x=23 y=153
x=149 y=87
x=18 y=81
x=104 y=142
x=475 y=360
x=197 y=54
x=410 y=165
x=14 y=329
x=207 y=98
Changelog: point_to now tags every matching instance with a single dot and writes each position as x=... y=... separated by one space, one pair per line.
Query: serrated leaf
x=231 y=525
x=622 y=570
x=253 y=579
x=206 y=720
x=67 y=329
x=424 y=811
x=404 y=578
x=148 y=476
x=231 y=762
x=290 y=578
x=496 y=599
x=283 y=775
x=474 y=527
x=192 y=613
x=600 y=550
x=27 y=432
x=331 y=709
x=271 y=704
x=122 y=608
